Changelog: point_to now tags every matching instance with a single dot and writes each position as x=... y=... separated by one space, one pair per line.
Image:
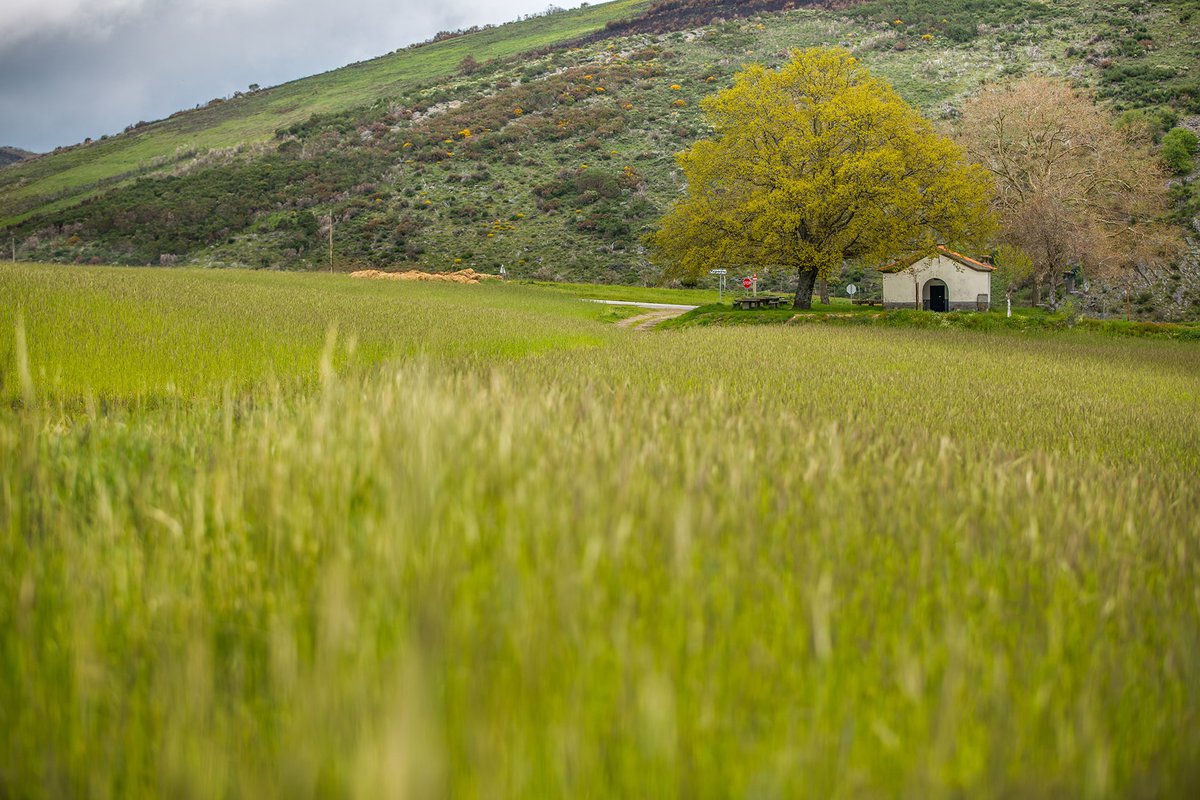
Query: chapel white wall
x=963 y=283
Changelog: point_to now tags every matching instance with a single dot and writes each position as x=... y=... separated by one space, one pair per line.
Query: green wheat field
x=304 y=536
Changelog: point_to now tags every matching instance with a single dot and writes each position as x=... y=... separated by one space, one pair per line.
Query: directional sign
x=718 y=271
x=851 y=289
x=746 y=283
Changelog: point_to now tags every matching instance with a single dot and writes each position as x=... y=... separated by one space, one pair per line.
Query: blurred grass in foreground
x=776 y=562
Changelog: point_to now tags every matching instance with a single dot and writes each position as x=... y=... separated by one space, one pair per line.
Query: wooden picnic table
x=761 y=301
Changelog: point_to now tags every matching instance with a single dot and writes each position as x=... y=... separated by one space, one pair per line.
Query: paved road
x=656 y=313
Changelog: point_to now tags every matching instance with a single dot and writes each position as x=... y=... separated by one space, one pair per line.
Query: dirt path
x=644 y=322
x=655 y=313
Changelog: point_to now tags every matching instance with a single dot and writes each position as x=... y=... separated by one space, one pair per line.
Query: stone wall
x=954 y=306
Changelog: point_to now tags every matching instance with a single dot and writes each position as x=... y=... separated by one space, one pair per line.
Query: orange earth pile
x=462 y=276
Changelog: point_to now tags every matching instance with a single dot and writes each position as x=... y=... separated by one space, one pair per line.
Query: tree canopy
x=812 y=164
x=1074 y=188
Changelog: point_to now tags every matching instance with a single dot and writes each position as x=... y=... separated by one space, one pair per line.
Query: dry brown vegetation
x=1073 y=188
x=461 y=276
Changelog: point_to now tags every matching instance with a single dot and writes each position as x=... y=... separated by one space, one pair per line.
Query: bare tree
x=1073 y=189
x=469 y=65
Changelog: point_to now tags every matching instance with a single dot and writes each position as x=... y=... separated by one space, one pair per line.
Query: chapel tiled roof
x=966 y=261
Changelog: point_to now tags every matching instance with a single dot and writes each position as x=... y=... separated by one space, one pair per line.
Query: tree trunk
x=823 y=291
x=1037 y=292
x=806 y=279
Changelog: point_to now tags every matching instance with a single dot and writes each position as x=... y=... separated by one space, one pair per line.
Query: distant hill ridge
x=11 y=155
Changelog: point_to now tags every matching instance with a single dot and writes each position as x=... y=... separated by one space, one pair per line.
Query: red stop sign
x=746 y=282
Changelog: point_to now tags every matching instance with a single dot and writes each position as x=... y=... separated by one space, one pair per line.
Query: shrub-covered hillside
x=554 y=162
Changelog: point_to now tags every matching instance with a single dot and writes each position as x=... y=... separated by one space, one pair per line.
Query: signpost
x=851 y=289
x=720 y=273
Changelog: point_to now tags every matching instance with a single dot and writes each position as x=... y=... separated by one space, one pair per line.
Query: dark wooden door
x=937 y=298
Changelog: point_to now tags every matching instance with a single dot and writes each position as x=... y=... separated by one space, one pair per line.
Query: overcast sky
x=70 y=69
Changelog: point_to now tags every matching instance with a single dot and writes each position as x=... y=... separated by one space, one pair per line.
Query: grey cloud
x=71 y=69
x=22 y=19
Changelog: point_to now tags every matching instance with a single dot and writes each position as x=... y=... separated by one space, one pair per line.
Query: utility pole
x=331 y=242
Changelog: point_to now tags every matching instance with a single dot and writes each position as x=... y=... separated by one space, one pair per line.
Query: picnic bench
x=862 y=301
x=761 y=301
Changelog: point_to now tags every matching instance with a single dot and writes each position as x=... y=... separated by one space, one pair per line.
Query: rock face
x=11 y=155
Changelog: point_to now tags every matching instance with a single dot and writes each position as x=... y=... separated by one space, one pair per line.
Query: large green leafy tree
x=813 y=164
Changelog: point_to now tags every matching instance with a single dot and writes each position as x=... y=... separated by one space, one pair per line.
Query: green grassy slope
x=254 y=117
x=842 y=313
x=200 y=332
x=641 y=294
x=925 y=78
x=811 y=562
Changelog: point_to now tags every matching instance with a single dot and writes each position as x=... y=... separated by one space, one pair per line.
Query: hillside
x=11 y=155
x=148 y=148
x=550 y=158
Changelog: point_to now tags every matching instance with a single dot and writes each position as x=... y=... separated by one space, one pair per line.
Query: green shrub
x=1156 y=121
x=1179 y=149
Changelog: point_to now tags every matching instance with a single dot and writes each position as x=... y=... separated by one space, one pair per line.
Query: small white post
x=1008 y=301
